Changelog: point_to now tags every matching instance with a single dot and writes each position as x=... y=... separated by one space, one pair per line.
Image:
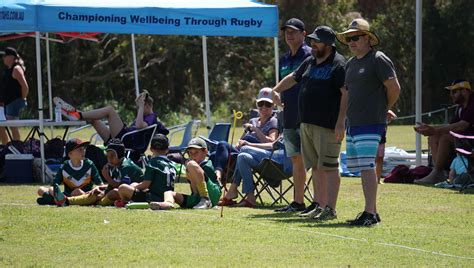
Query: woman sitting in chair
x=116 y=127
x=250 y=156
x=261 y=129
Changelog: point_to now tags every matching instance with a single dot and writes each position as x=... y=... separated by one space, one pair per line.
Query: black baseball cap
x=159 y=142
x=9 y=51
x=324 y=34
x=294 y=23
x=75 y=143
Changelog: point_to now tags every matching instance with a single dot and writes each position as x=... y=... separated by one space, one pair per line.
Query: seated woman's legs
x=221 y=158
x=248 y=159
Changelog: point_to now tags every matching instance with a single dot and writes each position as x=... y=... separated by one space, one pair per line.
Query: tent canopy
x=165 y=17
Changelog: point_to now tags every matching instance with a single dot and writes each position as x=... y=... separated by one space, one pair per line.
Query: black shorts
x=122 y=132
x=140 y=196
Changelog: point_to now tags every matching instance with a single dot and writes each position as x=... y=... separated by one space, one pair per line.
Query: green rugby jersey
x=209 y=171
x=127 y=169
x=162 y=174
x=82 y=177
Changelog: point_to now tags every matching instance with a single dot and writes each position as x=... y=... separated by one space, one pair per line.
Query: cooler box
x=19 y=168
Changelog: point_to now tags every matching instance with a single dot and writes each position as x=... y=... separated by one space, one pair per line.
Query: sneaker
x=364 y=219
x=64 y=105
x=205 y=203
x=377 y=217
x=313 y=213
x=46 y=199
x=59 y=198
x=71 y=116
x=327 y=215
x=292 y=207
x=308 y=209
x=67 y=109
x=120 y=204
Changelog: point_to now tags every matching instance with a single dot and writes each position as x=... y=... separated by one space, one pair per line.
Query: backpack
x=399 y=174
x=54 y=148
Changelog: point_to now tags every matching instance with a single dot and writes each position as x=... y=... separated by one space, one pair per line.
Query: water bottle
x=57 y=114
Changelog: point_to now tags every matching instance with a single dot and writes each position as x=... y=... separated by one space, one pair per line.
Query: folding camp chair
x=465 y=147
x=137 y=142
x=189 y=130
x=220 y=132
x=176 y=153
x=270 y=175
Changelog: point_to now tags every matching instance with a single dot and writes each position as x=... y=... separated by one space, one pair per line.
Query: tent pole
x=135 y=68
x=418 y=65
x=40 y=103
x=277 y=60
x=50 y=94
x=206 y=83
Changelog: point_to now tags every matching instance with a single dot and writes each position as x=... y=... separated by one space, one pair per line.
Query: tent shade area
x=165 y=17
x=162 y=17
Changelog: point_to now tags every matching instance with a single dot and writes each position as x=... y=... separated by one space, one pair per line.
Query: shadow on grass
x=283 y=217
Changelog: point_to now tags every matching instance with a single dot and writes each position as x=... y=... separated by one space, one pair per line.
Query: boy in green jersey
x=118 y=170
x=159 y=177
x=78 y=174
x=205 y=190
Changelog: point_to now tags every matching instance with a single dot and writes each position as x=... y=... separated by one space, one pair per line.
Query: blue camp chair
x=189 y=130
x=220 y=132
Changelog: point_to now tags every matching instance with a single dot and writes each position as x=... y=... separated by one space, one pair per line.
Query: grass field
x=421 y=226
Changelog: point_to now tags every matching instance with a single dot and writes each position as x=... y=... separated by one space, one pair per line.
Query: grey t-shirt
x=272 y=123
x=367 y=102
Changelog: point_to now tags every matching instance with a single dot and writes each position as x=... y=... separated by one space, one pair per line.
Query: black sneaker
x=364 y=219
x=377 y=217
x=292 y=207
x=309 y=209
x=46 y=199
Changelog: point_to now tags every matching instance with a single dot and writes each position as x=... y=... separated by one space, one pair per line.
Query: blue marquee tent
x=163 y=17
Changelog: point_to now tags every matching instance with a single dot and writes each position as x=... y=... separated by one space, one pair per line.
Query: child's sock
x=82 y=200
x=202 y=189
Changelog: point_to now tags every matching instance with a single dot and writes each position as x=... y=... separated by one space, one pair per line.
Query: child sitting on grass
x=118 y=170
x=202 y=178
x=78 y=174
x=159 y=177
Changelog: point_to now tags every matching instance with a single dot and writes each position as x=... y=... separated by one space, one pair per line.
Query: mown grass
x=421 y=226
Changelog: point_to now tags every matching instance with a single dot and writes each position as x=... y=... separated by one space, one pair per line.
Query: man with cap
x=117 y=171
x=78 y=174
x=322 y=109
x=159 y=177
x=440 y=141
x=205 y=189
x=373 y=89
x=13 y=90
x=294 y=31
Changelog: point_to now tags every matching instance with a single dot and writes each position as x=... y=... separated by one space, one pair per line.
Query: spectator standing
x=373 y=89
x=322 y=106
x=294 y=31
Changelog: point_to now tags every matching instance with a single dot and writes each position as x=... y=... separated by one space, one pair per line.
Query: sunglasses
x=264 y=103
x=354 y=38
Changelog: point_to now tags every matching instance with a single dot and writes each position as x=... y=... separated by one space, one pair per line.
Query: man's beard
x=318 y=53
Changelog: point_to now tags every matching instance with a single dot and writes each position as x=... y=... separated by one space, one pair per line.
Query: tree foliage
x=92 y=74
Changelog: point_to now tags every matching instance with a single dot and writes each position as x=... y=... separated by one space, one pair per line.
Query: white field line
x=299 y=230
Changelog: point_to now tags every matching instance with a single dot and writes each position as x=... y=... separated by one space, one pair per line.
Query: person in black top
x=322 y=106
x=14 y=90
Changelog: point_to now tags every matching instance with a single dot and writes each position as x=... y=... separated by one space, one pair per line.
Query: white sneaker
x=205 y=203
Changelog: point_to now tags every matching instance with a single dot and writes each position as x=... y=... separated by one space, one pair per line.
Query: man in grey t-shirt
x=373 y=88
